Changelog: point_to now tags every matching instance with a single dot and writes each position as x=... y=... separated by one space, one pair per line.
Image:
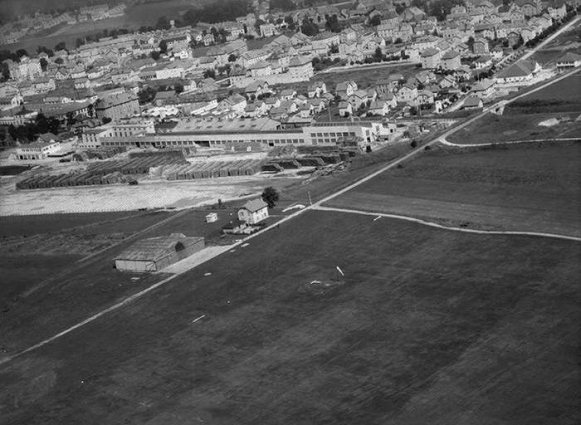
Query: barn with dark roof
x=154 y=254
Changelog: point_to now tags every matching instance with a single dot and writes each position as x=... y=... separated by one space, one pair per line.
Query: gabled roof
x=569 y=57
x=519 y=69
x=430 y=52
x=154 y=249
x=254 y=205
x=450 y=54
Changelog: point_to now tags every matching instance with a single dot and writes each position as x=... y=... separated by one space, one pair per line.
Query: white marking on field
x=377 y=218
x=315 y=282
x=208 y=274
x=198 y=318
x=244 y=245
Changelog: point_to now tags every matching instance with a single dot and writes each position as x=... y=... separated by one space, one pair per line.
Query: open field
x=41 y=274
x=523 y=188
x=514 y=127
x=364 y=78
x=33 y=225
x=148 y=194
x=566 y=89
x=429 y=326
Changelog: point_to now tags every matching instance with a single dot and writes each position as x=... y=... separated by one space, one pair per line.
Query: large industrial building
x=217 y=132
x=154 y=254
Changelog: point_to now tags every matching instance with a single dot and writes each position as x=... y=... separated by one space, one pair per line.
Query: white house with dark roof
x=253 y=211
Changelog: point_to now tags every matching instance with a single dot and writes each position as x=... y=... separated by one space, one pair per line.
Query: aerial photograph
x=290 y=212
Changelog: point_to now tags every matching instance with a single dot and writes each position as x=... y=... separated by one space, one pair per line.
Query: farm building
x=155 y=254
x=253 y=211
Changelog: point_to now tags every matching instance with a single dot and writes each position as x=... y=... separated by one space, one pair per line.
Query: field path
x=440 y=226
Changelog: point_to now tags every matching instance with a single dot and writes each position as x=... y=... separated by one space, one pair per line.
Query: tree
x=378 y=54
x=375 y=20
x=290 y=22
x=308 y=28
x=232 y=58
x=106 y=120
x=21 y=52
x=60 y=46
x=163 y=46
x=209 y=73
x=59 y=61
x=162 y=23
x=43 y=64
x=270 y=196
x=43 y=49
x=155 y=55
x=90 y=110
x=179 y=88
x=5 y=71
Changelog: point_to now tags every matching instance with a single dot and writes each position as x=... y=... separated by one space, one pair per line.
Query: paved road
x=551 y=38
x=365 y=67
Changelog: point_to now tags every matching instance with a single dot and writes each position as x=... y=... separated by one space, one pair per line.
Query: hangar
x=154 y=254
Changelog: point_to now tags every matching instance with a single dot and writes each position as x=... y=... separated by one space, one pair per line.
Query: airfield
x=460 y=302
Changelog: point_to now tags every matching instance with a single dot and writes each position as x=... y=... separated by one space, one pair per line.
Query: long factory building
x=215 y=132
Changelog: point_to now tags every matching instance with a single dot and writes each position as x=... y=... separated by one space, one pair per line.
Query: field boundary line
x=510 y=142
x=440 y=226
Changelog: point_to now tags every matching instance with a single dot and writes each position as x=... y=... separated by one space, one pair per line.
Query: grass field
x=567 y=89
x=429 y=326
x=41 y=275
x=524 y=188
x=33 y=225
x=364 y=78
x=513 y=127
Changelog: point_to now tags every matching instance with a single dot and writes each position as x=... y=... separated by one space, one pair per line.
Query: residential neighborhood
x=283 y=67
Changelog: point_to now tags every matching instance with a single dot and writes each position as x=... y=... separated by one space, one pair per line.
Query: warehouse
x=154 y=254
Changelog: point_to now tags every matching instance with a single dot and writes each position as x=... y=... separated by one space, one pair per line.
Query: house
x=519 y=72
x=472 y=102
x=287 y=94
x=378 y=107
x=447 y=82
x=425 y=97
x=484 y=88
x=482 y=62
x=407 y=93
x=300 y=69
x=480 y=46
x=346 y=89
x=345 y=109
x=37 y=150
x=316 y=89
x=450 y=60
x=253 y=211
x=569 y=60
x=430 y=58
x=154 y=254
x=358 y=99
x=267 y=30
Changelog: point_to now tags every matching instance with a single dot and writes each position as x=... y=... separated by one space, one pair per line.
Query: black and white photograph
x=290 y=212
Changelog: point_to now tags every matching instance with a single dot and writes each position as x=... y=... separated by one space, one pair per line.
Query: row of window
x=337 y=134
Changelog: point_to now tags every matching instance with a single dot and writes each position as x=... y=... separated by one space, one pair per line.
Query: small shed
x=212 y=218
x=154 y=254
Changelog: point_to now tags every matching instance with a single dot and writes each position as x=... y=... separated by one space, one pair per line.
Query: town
x=205 y=85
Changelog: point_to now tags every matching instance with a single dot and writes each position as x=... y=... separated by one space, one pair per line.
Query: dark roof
x=255 y=205
x=154 y=249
